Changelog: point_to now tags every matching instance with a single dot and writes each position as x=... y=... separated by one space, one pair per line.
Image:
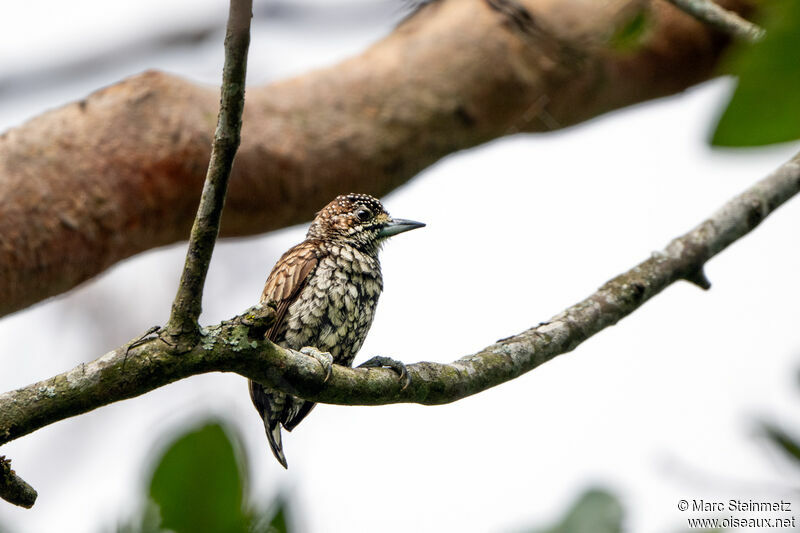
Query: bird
x=325 y=291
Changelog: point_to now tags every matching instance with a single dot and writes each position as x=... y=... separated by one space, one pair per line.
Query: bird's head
x=359 y=220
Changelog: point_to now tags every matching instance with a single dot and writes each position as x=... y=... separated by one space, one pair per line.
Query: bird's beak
x=398 y=225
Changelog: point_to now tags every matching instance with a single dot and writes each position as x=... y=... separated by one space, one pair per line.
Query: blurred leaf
x=783 y=441
x=596 y=511
x=198 y=484
x=631 y=34
x=765 y=108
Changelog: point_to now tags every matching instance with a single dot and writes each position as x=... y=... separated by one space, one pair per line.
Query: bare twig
x=13 y=489
x=239 y=346
x=720 y=18
x=188 y=302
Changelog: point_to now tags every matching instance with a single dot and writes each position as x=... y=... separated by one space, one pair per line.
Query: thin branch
x=188 y=302
x=720 y=18
x=238 y=345
x=13 y=489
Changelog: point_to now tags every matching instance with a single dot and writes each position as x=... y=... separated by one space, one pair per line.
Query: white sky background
x=662 y=407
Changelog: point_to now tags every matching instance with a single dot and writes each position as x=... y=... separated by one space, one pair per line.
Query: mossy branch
x=238 y=345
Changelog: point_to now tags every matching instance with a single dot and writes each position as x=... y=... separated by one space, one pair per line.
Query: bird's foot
x=324 y=358
x=387 y=362
x=143 y=338
x=138 y=341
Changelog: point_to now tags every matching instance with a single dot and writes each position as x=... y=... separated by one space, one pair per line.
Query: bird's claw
x=387 y=362
x=324 y=358
x=141 y=339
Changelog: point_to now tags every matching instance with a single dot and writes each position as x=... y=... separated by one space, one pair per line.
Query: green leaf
x=765 y=107
x=199 y=485
x=596 y=511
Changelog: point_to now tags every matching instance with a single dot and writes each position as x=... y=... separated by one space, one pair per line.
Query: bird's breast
x=334 y=311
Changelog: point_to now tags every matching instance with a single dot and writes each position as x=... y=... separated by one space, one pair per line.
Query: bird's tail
x=274 y=438
x=268 y=406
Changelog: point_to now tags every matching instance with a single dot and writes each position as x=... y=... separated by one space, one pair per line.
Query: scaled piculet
x=326 y=289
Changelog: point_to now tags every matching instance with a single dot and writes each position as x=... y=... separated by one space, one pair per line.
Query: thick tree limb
x=91 y=183
x=711 y=13
x=188 y=301
x=239 y=345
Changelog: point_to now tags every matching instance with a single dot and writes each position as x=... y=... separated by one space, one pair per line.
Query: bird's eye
x=363 y=214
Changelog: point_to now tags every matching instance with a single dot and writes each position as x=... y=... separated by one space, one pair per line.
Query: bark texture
x=96 y=181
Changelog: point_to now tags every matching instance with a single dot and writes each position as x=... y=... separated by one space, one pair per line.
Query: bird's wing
x=287 y=279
